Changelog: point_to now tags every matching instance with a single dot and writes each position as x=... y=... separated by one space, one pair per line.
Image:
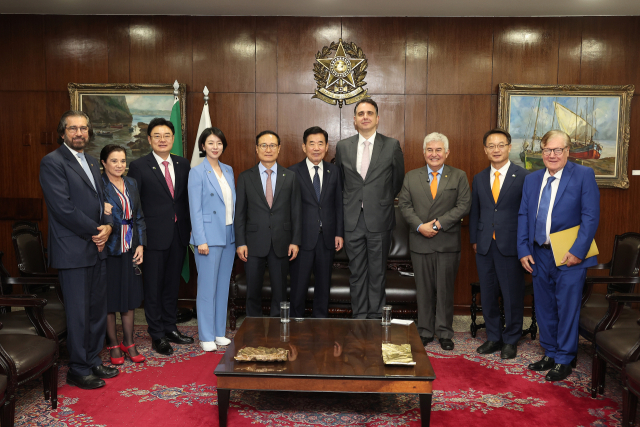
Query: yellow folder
x=562 y=241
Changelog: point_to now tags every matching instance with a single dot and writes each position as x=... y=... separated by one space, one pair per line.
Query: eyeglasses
x=136 y=270
x=558 y=151
x=499 y=147
x=157 y=137
x=75 y=129
x=264 y=147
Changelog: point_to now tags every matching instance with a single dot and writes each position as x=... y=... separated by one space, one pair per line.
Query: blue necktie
x=85 y=166
x=543 y=211
x=316 y=183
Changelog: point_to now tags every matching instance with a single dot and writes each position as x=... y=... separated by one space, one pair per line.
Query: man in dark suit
x=493 y=224
x=162 y=182
x=372 y=168
x=322 y=224
x=268 y=223
x=433 y=201
x=78 y=231
x=559 y=197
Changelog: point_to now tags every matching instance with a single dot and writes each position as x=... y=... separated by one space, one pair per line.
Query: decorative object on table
x=262 y=354
x=120 y=113
x=595 y=117
x=386 y=315
x=393 y=354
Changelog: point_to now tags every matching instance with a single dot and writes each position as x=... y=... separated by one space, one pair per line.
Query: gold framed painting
x=595 y=117
x=120 y=113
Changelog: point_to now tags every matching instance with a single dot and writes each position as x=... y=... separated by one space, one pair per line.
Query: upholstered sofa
x=400 y=290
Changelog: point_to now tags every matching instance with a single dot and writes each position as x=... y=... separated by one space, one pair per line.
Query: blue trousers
x=558 y=295
x=214 y=273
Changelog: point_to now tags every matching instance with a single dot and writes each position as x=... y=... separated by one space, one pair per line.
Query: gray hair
x=435 y=136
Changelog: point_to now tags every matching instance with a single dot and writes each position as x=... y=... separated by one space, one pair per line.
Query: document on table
x=562 y=241
x=401 y=322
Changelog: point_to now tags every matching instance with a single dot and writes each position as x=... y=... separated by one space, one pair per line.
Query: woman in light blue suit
x=212 y=199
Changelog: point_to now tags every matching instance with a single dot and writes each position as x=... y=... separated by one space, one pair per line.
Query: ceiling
x=325 y=7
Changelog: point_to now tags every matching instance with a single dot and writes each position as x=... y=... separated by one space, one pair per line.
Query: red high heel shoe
x=139 y=358
x=116 y=360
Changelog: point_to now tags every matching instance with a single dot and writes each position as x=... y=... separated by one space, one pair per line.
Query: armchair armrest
x=34 y=307
x=39 y=274
x=623 y=298
x=613 y=279
x=616 y=305
x=24 y=300
x=605 y=266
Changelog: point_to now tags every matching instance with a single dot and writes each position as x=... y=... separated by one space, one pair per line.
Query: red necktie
x=167 y=177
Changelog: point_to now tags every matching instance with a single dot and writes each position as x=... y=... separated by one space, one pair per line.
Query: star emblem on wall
x=340 y=67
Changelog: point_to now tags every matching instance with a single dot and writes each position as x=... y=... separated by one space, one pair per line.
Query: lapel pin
x=91 y=164
x=208 y=171
x=153 y=167
x=328 y=171
x=446 y=176
x=514 y=175
x=283 y=174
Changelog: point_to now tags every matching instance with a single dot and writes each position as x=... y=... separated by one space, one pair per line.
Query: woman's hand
x=137 y=256
x=107 y=208
x=203 y=249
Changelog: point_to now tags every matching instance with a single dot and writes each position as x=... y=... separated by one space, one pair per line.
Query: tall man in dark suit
x=162 y=182
x=78 y=231
x=322 y=224
x=372 y=168
x=561 y=196
x=268 y=223
x=433 y=201
x=493 y=224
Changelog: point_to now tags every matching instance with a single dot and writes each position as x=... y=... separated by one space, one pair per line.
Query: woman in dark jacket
x=125 y=252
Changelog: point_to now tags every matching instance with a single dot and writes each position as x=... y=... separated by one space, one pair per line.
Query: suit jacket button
x=320 y=207
x=496 y=210
x=271 y=214
x=214 y=211
x=212 y=194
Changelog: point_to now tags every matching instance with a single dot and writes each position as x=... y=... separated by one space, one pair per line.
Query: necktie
x=543 y=211
x=316 y=182
x=85 y=167
x=269 y=190
x=496 y=192
x=434 y=185
x=167 y=177
x=366 y=158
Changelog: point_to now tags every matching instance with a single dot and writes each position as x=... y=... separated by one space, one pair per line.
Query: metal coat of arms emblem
x=340 y=79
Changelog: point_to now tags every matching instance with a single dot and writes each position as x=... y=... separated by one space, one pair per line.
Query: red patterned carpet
x=180 y=390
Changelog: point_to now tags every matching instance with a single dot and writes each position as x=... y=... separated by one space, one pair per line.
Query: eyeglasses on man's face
x=499 y=147
x=264 y=147
x=557 y=151
x=158 y=137
x=75 y=129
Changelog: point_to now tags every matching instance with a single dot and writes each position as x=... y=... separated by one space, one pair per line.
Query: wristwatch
x=434 y=226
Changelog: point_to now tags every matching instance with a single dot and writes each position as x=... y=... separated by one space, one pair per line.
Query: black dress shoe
x=426 y=340
x=446 y=343
x=102 y=371
x=86 y=382
x=162 y=346
x=489 y=347
x=558 y=373
x=178 y=337
x=542 y=364
x=509 y=351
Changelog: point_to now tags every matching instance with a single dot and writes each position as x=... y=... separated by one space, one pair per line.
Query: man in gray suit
x=268 y=223
x=372 y=169
x=433 y=201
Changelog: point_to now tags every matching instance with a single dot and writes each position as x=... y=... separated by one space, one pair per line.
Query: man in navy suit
x=78 y=231
x=322 y=224
x=562 y=196
x=162 y=182
x=493 y=224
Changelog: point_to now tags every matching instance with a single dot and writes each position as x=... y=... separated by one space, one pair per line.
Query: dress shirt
x=75 y=153
x=227 y=196
x=554 y=189
x=503 y=172
x=361 y=140
x=171 y=172
x=312 y=170
x=263 y=177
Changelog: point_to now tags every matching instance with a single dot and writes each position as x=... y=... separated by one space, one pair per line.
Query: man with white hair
x=433 y=201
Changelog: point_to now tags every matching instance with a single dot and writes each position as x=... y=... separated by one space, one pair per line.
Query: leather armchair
x=622 y=278
x=615 y=346
x=30 y=254
x=630 y=392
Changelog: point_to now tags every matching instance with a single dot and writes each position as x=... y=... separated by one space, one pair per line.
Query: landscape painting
x=595 y=117
x=120 y=115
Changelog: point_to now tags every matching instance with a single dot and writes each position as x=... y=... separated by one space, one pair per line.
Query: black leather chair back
x=625 y=261
x=19 y=225
x=29 y=251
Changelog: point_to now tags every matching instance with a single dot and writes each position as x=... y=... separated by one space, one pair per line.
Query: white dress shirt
x=554 y=189
x=171 y=172
x=75 y=153
x=312 y=171
x=361 y=140
x=503 y=172
x=227 y=196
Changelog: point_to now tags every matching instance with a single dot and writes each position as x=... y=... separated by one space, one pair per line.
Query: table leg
x=223 y=406
x=425 y=409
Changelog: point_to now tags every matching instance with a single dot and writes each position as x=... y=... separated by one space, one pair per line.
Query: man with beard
x=78 y=231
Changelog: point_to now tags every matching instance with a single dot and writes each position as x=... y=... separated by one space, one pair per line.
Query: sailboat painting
x=596 y=122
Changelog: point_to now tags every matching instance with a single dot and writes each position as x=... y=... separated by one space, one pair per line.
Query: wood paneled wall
x=427 y=74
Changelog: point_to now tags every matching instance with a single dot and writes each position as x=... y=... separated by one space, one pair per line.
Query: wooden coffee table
x=330 y=355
